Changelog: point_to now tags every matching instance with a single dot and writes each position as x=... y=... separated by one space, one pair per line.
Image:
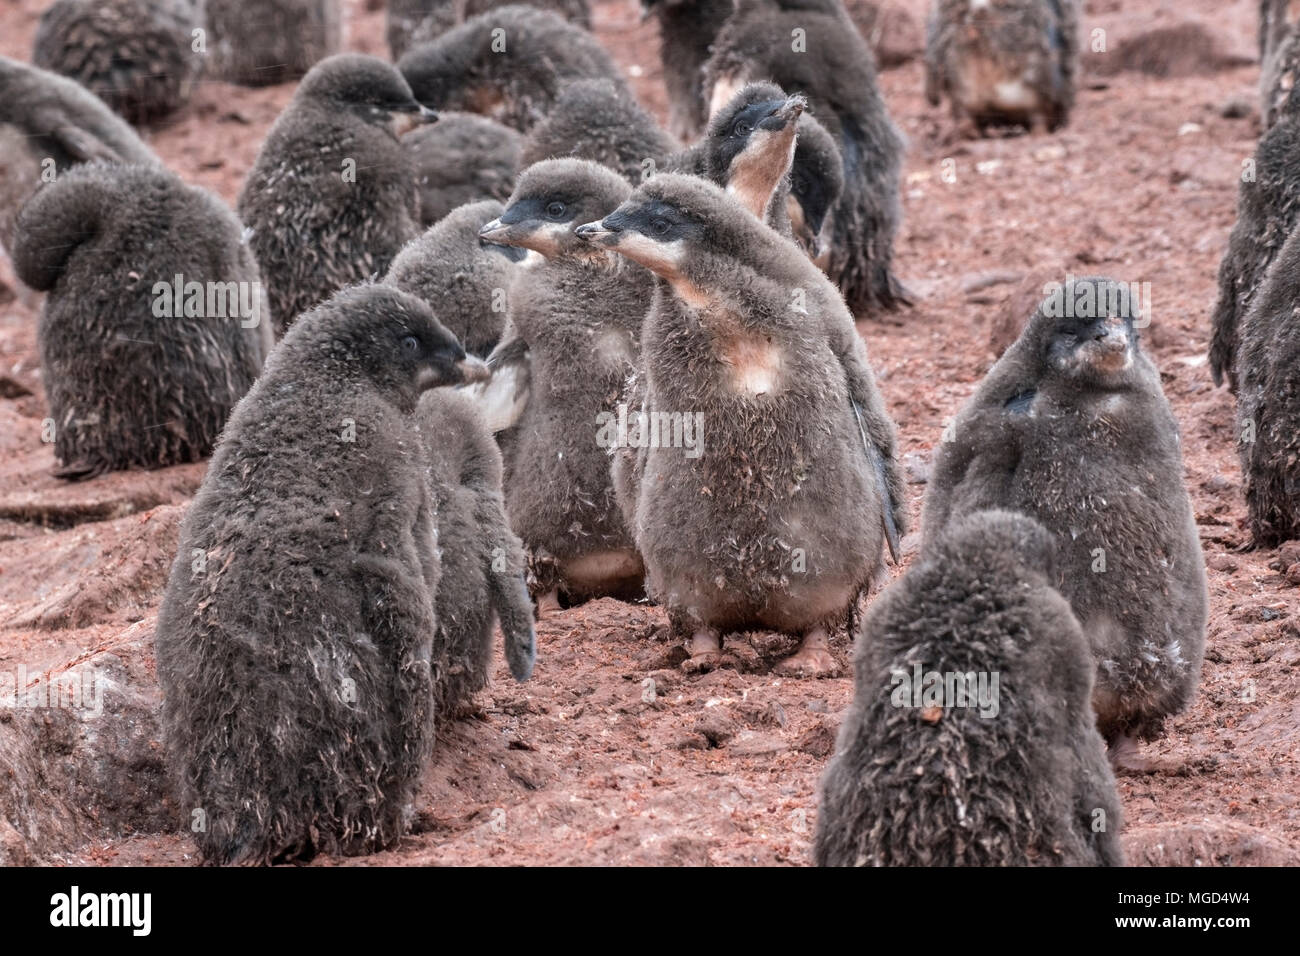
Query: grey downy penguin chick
x=1003 y=62
x=409 y=23
x=295 y=637
x=465 y=279
x=271 y=41
x=48 y=124
x=136 y=55
x=687 y=29
x=600 y=121
x=776 y=515
x=483 y=563
x=331 y=198
x=463 y=158
x=509 y=64
x=971 y=740
x=108 y=243
x=835 y=70
x=816 y=185
x=575 y=324
x=1071 y=427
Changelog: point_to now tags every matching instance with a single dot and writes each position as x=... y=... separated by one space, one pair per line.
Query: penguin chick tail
x=515 y=613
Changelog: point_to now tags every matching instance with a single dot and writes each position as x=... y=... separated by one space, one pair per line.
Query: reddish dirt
x=610 y=755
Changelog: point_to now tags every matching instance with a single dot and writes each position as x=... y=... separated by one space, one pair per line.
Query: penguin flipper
x=515 y=613
x=77 y=142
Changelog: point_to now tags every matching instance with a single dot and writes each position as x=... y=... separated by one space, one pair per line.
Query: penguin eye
x=742 y=128
x=410 y=344
x=555 y=210
x=660 y=227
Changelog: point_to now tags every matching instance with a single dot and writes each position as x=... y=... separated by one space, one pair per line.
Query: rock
x=1238 y=107
x=916 y=468
x=819 y=741
x=1008 y=320
x=1220 y=562
x=1212 y=841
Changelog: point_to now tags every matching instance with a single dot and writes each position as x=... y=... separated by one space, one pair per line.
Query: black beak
x=593 y=231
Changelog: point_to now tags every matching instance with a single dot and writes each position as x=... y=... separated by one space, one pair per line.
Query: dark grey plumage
x=1071 y=427
x=482 y=561
x=412 y=22
x=599 y=120
x=1003 y=62
x=510 y=64
x=271 y=41
x=295 y=638
x=837 y=73
x=816 y=185
x=136 y=55
x=462 y=158
x=464 y=279
x=687 y=29
x=107 y=241
x=331 y=198
x=780 y=520
x=1015 y=778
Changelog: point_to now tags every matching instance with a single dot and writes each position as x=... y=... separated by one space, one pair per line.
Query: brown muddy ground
x=610 y=755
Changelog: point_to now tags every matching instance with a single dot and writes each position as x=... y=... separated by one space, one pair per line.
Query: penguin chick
x=463 y=158
x=410 y=23
x=330 y=198
x=295 y=638
x=816 y=185
x=970 y=740
x=600 y=121
x=271 y=41
x=1071 y=427
x=48 y=120
x=151 y=294
x=576 y=321
x=687 y=29
x=464 y=279
x=1003 y=62
x=834 y=69
x=510 y=64
x=136 y=55
x=482 y=561
x=775 y=515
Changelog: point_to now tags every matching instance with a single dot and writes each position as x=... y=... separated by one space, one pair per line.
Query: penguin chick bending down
x=295 y=638
x=831 y=65
x=1003 y=62
x=575 y=324
x=816 y=185
x=271 y=41
x=1071 y=427
x=331 y=197
x=152 y=294
x=465 y=279
x=463 y=158
x=686 y=32
x=775 y=514
x=600 y=121
x=510 y=64
x=970 y=740
x=137 y=55
x=483 y=564
x=409 y=23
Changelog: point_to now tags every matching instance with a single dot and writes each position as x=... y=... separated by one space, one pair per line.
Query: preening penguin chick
x=835 y=70
x=463 y=158
x=271 y=41
x=509 y=64
x=687 y=29
x=576 y=321
x=410 y=23
x=152 y=294
x=295 y=638
x=465 y=279
x=816 y=185
x=1071 y=427
x=775 y=514
x=137 y=55
x=1003 y=62
x=331 y=198
x=970 y=740
x=600 y=121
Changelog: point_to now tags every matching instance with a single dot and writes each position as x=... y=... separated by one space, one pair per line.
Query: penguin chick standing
x=579 y=317
x=465 y=279
x=1071 y=427
x=462 y=158
x=1003 y=62
x=271 y=41
x=295 y=637
x=996 y=761
x=775 y=516
x=687 y=29
x=152 y=294
x=331 y=197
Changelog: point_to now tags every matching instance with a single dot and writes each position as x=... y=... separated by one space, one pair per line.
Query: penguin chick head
x=816 y=182
x=751 y=143
x=385 y=337
x=364 y=86
x=551 y=199
x=1090 y=330
x=1007 y=538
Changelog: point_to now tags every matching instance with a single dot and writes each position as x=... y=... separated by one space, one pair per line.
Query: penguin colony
x=675 y=404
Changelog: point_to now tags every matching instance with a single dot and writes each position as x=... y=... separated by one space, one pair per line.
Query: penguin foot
x=812 y=659
x=705 y=647
x=1126 y=757
x=549 y=603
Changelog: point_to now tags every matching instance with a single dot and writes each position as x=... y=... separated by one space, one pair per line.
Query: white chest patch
x=755 y=365
x=1014 y=95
